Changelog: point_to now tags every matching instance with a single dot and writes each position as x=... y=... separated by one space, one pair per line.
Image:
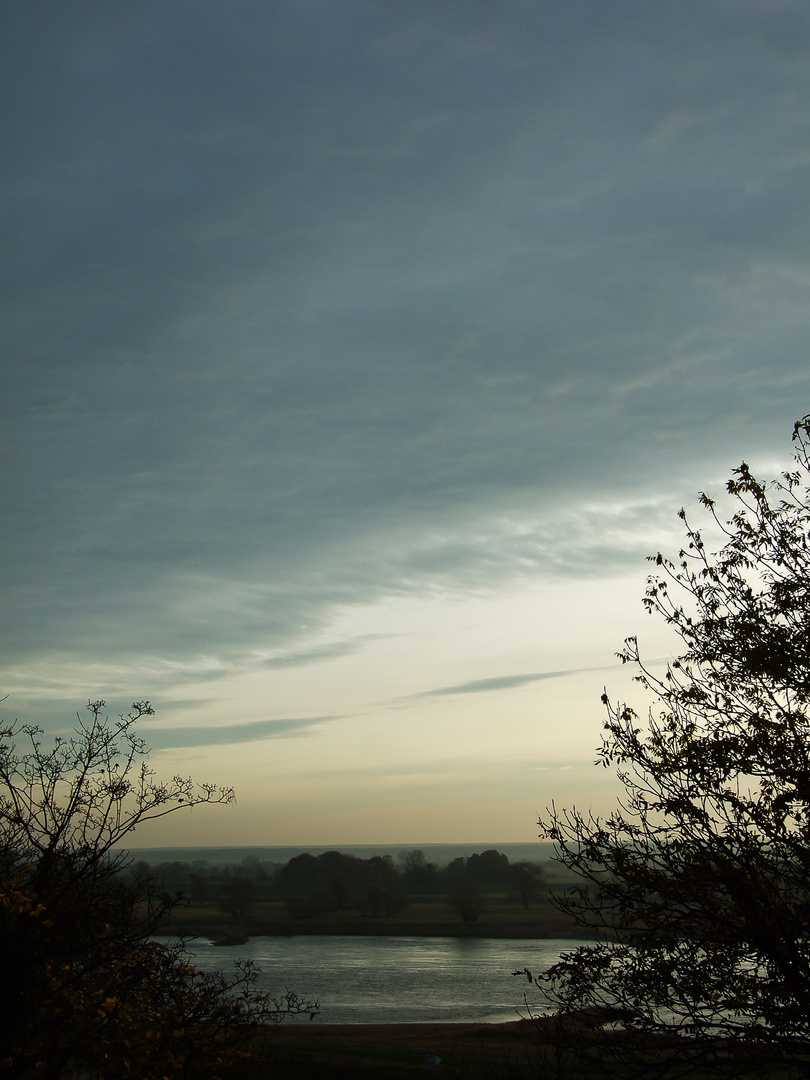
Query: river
x=395 y=980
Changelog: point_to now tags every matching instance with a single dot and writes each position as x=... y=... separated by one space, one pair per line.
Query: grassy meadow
x=502 y=917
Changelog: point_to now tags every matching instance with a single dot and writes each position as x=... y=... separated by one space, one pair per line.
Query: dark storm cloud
x=310 y=303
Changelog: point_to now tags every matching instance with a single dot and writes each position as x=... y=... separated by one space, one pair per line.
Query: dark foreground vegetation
x=701 y=877
x=86 y=990
x=520 y=1050
x=696 y=889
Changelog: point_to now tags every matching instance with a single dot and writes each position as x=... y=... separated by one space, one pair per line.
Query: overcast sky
x=355 y=355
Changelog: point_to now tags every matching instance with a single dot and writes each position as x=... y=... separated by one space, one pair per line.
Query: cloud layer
x=309 y=305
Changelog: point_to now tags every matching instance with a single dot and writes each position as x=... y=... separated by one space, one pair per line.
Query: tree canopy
x=92 y=993
x=698 y=883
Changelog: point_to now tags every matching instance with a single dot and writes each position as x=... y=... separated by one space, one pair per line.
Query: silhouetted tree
x=455 y=870
x=419 y=875
x=93 y=994
x=413 y=862
x=527 y=877
x=702 y=876
x=173 y=876
x=489 y=870
x=336 y=874
x=237 y=896
x=467 y=901
x=380 y=902
x=382 y=872
x=199 y=887
x=314 y=884
x=301 y=875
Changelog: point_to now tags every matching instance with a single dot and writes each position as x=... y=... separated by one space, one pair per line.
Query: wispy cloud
x=259 y=730
x=500 y=682
x=311 y=656
x=320 y=653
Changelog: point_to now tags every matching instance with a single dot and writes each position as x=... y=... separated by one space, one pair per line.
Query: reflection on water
x=378 y=980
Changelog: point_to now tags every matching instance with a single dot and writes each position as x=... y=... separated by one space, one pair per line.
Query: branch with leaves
x=699 y=882
x=94 y=993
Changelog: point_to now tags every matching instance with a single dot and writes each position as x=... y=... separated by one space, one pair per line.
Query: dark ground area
x=403 y=1051
x=431 y=918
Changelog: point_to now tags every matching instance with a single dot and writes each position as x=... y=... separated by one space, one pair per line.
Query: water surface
x=396 y=980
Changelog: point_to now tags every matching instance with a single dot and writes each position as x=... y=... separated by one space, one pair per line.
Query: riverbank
x=516 y=1050
x=422 y=918
x=404 y=1051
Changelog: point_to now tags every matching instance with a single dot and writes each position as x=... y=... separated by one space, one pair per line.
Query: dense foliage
x=92 y=994
x=374 y=887
x=700 y=880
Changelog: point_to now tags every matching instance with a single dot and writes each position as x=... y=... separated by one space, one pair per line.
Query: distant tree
x=237 y=896
x=336 y=870
x=199 y=887
x=484 y=872
x=301 y=875
x=93 y=994
x=527 y=877
x=382 y=872
x=339 y=888
x=702 y=877
x=467 y=901
x=381 y=902
x=413 y=862
x=489 y=870
x=419 y=875
x=313 y=884
x=455 y=870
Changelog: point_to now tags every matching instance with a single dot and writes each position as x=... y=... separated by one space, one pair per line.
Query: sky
x=356 y=354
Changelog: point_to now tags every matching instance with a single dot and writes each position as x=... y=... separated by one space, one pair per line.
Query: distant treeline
x=333 y=881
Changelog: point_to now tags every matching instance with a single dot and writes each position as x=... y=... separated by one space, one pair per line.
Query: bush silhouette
x=93 y=994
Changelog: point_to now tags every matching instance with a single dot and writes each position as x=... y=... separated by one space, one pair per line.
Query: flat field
x=502 y=918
